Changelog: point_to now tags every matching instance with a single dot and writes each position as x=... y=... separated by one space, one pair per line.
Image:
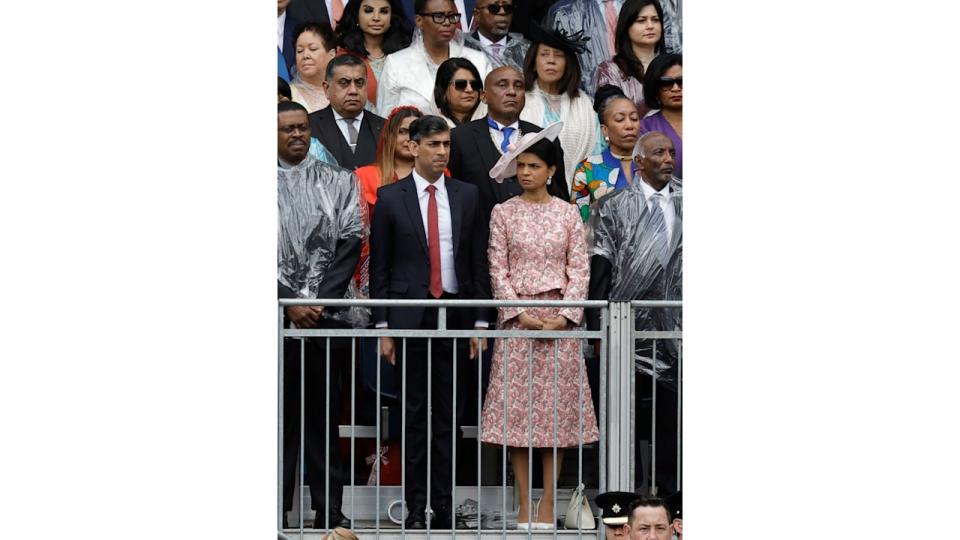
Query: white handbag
x=579 y=515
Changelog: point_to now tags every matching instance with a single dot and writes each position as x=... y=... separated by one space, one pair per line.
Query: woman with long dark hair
x=372 y=29
x=394 y=161
x=639 y=39
x=551 y=72
x=457 y=91
x=663 y=90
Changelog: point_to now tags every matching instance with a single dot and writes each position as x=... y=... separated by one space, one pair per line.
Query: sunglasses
x=461 y=84
x=495 y=9
x=668 y=82
x=439 y=17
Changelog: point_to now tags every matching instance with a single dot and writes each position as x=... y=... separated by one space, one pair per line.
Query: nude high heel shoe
x=540 y=526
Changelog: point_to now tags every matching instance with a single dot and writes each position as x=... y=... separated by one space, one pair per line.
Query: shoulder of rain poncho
x=318 y=209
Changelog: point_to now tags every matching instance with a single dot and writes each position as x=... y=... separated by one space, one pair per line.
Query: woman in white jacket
x=409 y=74
x=551 y=72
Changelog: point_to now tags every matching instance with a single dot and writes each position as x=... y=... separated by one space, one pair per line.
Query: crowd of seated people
x=429 y=153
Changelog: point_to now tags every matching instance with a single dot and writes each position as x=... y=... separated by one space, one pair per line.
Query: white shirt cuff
x=382 y=324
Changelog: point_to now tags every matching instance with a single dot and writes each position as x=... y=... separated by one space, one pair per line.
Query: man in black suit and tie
x=476 y=146
x=429 y=240
x=344 y=128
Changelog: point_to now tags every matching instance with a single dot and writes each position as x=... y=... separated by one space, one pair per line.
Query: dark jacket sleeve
x=480 y=266
x=381 y=253
x=559 y=188
x=455 y=162
x=600 y=276
x=284 y=292
x=338 y=275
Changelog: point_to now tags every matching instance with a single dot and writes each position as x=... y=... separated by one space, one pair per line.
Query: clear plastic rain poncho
x=512 y=54
x=318 y=207
x=573 y=16
x=621 y=231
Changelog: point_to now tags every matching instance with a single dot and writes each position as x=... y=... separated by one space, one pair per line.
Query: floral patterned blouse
x=596 y=176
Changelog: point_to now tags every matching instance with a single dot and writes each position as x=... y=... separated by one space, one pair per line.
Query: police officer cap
x=615 y=507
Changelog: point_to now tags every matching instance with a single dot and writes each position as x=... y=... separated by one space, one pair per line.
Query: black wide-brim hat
x=558 y=39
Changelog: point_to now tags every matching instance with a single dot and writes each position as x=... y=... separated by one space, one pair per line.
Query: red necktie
x=433 y=240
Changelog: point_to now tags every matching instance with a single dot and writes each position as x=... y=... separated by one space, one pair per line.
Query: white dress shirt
x=497 y=135
x=486 y=43
x=669 y=216
x=342 y=125
x=280 y=22
x=448 y=272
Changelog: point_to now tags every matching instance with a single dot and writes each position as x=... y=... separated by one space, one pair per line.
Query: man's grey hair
x=638 y=148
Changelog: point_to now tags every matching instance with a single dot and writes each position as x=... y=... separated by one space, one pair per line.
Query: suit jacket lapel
x=339 y=145
x=456 y=218
x=366 y=141
x=412 y=202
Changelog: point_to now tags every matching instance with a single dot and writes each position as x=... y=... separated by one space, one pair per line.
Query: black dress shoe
x=441 y=518
x=416 y=519
x=336 y=519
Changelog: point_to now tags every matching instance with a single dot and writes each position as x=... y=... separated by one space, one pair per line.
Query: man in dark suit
x=318 y=250
x=429 y=240
x=288 y=23
x=344 y=128
x=476 y=146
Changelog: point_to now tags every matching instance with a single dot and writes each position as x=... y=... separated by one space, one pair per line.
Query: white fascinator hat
x=506 y=166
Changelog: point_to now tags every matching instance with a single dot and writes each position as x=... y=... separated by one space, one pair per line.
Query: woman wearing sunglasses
x=663 y=90
x=639 y=39
x=409 y=75
x=372 y=29
x=457 y=92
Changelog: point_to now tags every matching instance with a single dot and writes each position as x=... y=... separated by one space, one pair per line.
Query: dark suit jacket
x=473 y=154
x=310 y=11
x=323 y=126
x=400 y=260
x=289 y=46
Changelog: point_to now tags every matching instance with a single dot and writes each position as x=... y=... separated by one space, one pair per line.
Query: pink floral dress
x=538 y=251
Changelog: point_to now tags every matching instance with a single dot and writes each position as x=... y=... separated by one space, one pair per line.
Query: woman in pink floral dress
x=537 y=251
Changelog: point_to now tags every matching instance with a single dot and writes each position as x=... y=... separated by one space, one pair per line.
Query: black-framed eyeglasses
x=668 y=82
x=440 y=17
x=495 y=9
x=461 y=84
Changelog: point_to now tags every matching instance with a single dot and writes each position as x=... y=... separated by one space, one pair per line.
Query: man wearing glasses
x=493 y=36
x=409 y=75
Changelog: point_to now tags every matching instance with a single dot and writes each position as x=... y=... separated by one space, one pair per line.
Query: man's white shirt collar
x=338 y=117
x=648 y=190
x=422 y=183
x=515 y=125
x=486 y=43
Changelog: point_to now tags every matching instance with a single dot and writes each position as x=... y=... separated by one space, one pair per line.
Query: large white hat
x=507 y=164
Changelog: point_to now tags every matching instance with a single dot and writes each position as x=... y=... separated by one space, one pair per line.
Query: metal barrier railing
x=617 y=432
